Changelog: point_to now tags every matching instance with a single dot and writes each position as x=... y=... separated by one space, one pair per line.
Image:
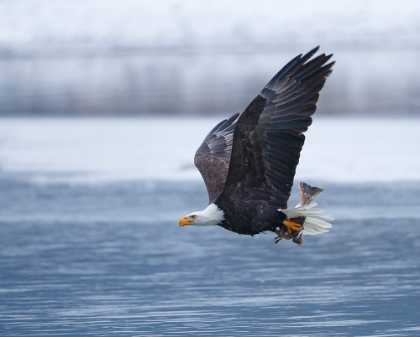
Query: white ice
x=100 y=150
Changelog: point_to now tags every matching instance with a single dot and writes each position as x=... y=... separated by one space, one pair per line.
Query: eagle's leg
x=292 y=226
x=281 y=235
x=290 y=230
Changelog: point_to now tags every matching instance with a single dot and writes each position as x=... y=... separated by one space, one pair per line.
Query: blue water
x=110 y=260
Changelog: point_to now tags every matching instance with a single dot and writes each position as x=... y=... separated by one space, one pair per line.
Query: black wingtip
x=297 y=62
x=329 y=67
x=312 y=52
x=327 y=59
x=309 y=54
x=222 y=125
x=290 y=65
x=329 y=64
x=232 y=118
x=315 y=49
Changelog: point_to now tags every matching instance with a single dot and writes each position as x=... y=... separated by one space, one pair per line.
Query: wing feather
x=268 y=136
x=213 y=156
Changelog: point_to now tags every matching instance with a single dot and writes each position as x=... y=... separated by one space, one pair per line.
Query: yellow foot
x=292 y=226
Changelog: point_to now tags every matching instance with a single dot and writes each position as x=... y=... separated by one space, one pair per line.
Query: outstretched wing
x=268 y=136
x=213 y=156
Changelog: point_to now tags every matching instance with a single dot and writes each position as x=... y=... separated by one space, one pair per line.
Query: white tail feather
x=314 y=226
x=315 y=220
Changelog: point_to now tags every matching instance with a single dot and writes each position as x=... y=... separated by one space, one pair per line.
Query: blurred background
x=102 y=107
x=171 y=57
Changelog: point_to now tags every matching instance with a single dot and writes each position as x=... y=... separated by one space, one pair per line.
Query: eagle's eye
x=193 y=216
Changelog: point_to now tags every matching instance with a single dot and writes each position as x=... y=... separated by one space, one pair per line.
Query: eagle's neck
x=212 y=215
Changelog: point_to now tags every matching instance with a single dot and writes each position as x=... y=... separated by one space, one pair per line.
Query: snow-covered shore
x=101 y=150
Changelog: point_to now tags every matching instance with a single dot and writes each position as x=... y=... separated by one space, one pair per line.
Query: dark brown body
x=246 y=221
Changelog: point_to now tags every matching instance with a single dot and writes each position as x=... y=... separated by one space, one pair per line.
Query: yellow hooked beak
x=186 y=220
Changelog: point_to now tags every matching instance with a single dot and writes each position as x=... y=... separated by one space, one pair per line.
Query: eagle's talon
x=292 y=226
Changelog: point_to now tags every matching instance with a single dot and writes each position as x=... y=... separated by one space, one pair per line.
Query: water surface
x=90 y=242
x=110 y=259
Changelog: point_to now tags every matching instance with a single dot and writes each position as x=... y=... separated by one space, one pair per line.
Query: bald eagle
x=249 y=160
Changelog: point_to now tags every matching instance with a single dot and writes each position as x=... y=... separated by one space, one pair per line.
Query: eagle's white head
x=211 y=216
